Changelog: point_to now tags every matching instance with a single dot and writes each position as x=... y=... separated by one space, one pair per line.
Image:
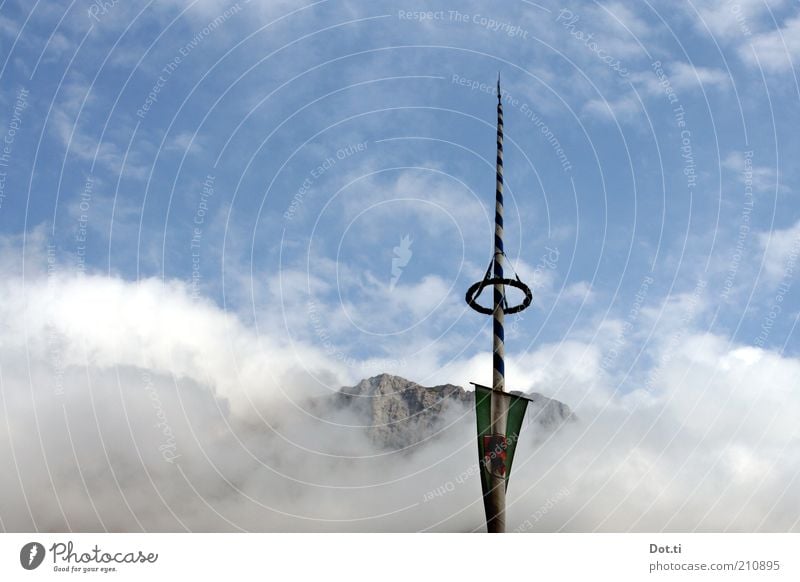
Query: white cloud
x=579 y=291
x=688 y=76
x=762 y=179
x=620 y=13
x=8 y=27
x=183 y=141
x=123 y=372
x=620 y=109
x=750 y=26
x=107 y=322
x=624 y=106
x=781 y=248
x=731 y=21
x=69 y=121
x=776 y=50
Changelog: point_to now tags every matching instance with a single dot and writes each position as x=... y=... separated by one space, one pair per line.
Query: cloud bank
x=133 y=406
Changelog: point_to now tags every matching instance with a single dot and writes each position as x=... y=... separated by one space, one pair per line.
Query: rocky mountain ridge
x=398 y=413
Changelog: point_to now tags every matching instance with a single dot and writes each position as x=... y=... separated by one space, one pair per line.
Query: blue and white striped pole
x=494 y=447
x=496 y=498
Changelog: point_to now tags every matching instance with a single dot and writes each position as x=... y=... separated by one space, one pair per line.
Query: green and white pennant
x=496 y=451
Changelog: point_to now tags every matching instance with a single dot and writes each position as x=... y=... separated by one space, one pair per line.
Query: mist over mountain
x=130 y=406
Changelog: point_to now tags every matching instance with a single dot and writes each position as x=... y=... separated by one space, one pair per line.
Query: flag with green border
x=496 y=451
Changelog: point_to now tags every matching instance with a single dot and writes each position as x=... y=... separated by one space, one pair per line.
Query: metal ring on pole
x=474 y=292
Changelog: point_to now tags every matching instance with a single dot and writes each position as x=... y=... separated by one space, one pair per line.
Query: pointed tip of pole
x=498 y=85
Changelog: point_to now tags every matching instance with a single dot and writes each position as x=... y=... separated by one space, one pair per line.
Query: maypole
x=498 y=433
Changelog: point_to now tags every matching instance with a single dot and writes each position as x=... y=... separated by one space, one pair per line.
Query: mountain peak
x=401 y=413
x=382 y=384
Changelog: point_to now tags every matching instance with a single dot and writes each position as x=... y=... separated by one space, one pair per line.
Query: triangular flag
x=496 y=451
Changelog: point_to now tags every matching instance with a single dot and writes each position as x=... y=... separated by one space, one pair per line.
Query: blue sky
x=328 y=132
x=259 y=97
x=267 y=160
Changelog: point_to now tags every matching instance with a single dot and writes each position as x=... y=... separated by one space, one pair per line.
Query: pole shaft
x=496 y=496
